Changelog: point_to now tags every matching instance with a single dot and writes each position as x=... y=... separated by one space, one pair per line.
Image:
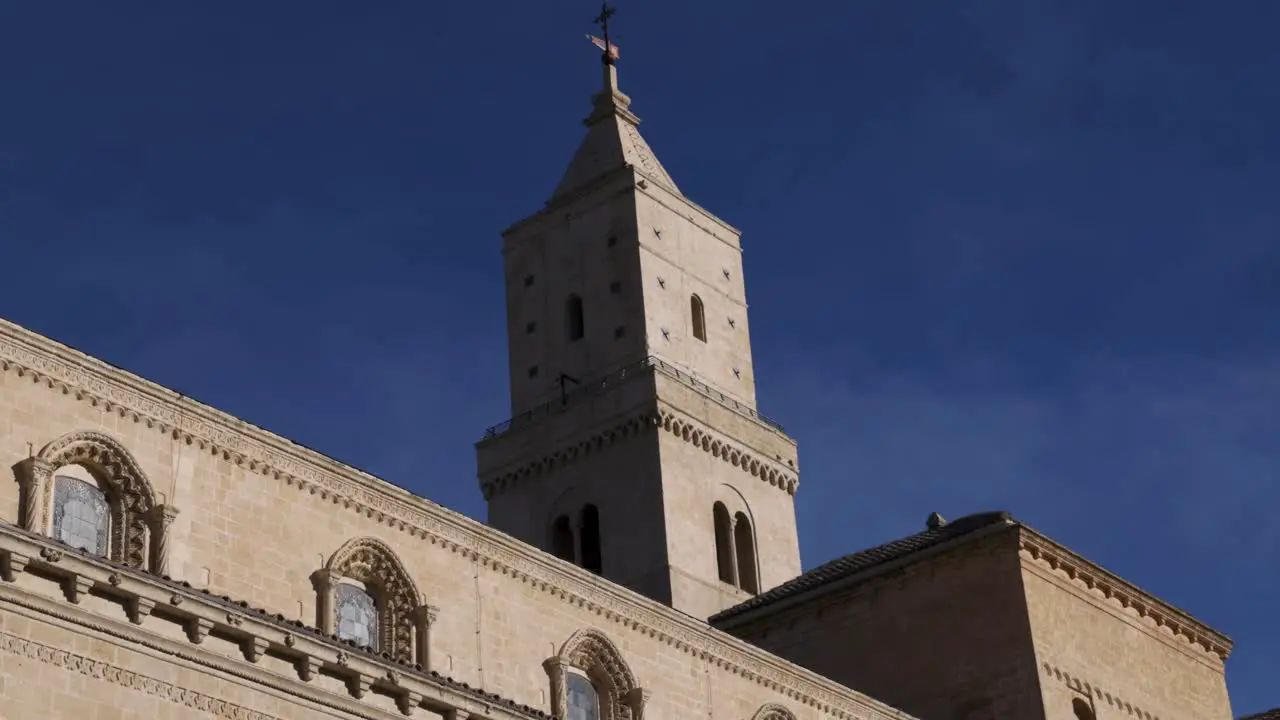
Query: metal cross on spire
x=609 y=50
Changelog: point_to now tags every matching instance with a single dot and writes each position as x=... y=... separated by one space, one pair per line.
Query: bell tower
x=634 y=448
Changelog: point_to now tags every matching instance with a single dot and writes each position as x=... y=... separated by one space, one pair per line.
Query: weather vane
x=609 y=50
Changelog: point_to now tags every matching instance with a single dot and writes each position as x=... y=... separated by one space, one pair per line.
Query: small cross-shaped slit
x=737 y=373
x=662 y=283
x=657 y=231
x=732 y=323
x=666 y=334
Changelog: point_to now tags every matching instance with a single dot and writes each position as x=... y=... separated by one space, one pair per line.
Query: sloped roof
x=612 y=141
x=863 y=560
x=1272 y=714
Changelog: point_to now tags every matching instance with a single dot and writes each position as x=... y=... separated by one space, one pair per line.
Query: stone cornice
x=71 y=372
x=1121 y=593
x=630 y=426
x=1092 y=690
x=718 y=446
x=145 y=599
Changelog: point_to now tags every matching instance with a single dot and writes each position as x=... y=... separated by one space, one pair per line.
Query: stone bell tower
x=634 y=448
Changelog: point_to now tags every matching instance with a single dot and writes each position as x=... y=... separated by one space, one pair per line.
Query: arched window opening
x=590 y=533
x=562 y=538
x=724 y=543
x=744 y=544
x=95 y=498
x=583 y=700
x=355 y=614
x=81 y=515
x=699 y=317
x=365 y=595
x=1082 y=709
x=573 y=318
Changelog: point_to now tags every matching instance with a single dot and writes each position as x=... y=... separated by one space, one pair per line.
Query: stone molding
x=146 y=599
x=773 y=712
x=718 y=446
x=89 y=380
x=679 y=425
x=1121 y=594
x=1075 y=683
x=592 y=652
x=97 y=669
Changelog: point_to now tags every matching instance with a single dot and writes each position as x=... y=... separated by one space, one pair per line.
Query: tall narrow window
x=562 y=538
x=699 y=316
x=590 y=533
x=81 y=515
x=355 y=614
x=573 y=318
x=582 y=698
x=744 y=544
x=1082 y=709
x=724 y=542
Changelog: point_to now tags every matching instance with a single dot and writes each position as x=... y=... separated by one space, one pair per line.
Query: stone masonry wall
x=258 y=515
x=944 y=638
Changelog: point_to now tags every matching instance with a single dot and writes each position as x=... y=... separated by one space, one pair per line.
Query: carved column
x=733 y=550
x=34 y=477
x=557 y=669
x=635 y=699
x=324 y=581
x=424 y=616
x=159 y=521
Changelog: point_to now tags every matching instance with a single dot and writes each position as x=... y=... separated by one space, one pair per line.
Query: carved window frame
x=138 y=529
x=404 y=622
x=591 y=653
x=773 y=711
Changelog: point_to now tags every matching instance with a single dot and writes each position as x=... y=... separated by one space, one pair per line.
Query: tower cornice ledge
x=99 y=384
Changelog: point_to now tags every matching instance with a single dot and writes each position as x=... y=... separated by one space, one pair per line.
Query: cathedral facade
x=161 y=559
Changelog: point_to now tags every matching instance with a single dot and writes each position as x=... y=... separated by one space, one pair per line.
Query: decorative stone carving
x=129 y=491
x=371 y=562
x=424 y=617
x=591 y=651
x=773 y=712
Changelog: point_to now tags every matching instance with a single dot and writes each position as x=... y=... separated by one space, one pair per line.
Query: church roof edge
x=869 y=563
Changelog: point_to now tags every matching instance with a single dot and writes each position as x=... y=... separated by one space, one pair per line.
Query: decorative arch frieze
x=746 y=460
x=592 y=653
x=135 y=515
x=773 y=711
x=403 y=621
x=666 y=420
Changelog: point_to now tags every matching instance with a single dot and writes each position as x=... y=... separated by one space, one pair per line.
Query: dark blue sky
x=1007 y=254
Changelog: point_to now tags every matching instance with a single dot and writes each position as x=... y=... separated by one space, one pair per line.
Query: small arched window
x=562 y=538
x=355 y=614
x=81 y=515
x=590 y=532
x=1082 y=709
x=724 y=543
x=574 y=319
x=581 y=696
x=698 y=315
x=744 y=545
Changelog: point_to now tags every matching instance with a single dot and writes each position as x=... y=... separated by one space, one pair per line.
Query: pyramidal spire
x=613 y=139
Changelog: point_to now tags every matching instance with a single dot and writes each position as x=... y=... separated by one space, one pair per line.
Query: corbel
x=254 y=648
x=138 y=608
x=198 y=629
x=76 y=587
x=359 y=684
x=12 y=564
x=409 y=700
x=308 y=667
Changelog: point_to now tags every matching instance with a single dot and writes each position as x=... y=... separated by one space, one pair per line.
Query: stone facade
x=162 y=559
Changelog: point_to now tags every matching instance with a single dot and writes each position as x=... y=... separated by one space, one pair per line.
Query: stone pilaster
x=424 y=617
x=159 y=522
x=324 y=581
x=557 y=670
x=35 y=478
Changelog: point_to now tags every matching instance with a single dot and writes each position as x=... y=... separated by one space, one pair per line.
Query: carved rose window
x=355 y=615
x=81 y=515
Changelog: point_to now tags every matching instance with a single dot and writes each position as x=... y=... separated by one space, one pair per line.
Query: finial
x=609 y=51
x=935 y=522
